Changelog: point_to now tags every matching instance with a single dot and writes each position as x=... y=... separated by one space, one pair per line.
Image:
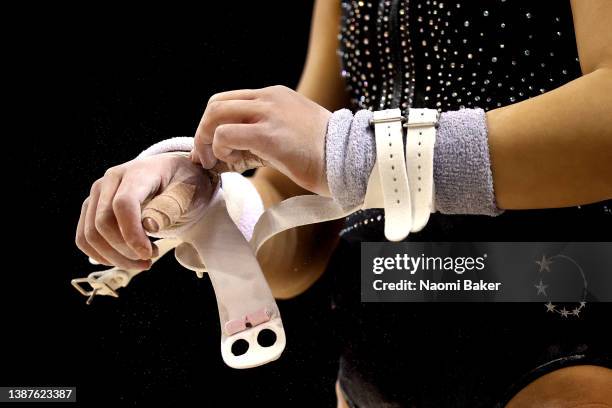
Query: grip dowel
x=167 y=208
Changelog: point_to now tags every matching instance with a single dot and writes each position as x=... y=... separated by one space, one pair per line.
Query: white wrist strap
x=393 y=178
x=420 y=141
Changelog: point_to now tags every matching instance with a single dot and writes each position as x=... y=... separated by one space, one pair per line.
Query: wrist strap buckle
x=387 y=116
x=422 y=118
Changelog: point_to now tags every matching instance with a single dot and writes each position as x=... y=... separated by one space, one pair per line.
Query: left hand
x=276 y=123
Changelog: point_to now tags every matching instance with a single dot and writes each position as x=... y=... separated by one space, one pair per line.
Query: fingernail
x=150 y=225
x=208 y=159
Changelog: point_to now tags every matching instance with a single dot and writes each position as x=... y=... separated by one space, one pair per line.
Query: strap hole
x=419 y=178
x=419 y=143
x=394 y=179
x=392 y=167
x=389 y=144
x=398 y=201
x=390 y=156
x=396 y=190
x=419 y=189
x=419 y=167
x=419 y=154
x=420 y=133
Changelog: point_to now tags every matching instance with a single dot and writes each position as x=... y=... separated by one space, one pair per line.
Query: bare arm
x=292 y=261
x=555 y=150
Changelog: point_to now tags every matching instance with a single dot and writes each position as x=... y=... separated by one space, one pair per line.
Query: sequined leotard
x=448 y=55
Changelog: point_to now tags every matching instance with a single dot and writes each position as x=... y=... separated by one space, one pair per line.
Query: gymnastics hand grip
x=251 y=327
x=252 y=331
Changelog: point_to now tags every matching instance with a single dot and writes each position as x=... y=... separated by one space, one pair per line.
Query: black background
x=102 y=85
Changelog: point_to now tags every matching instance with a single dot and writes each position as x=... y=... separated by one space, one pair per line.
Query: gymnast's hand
x=110 y=230
x=277 y=124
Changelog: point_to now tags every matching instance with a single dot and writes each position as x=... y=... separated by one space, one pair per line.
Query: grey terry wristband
x=350 y=154
x=462 y=170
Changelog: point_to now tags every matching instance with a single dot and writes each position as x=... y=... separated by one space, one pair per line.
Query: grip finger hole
x=240 y=347
x=266 y=338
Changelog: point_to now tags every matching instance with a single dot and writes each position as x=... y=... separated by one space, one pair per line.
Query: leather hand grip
x=249 y=161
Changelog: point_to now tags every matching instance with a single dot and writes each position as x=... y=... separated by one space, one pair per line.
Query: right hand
x=110 y=230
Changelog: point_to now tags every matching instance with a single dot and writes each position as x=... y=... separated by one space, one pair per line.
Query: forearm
x=554 y=150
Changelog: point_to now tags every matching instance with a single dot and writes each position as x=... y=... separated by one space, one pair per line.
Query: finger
x=243 y=94
x=208 y=160
x=223 y=112
x=229 y=138
x=96 y=240
x=82 y=243
x=205 y=156
x=105 y=220
x=127 y=207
